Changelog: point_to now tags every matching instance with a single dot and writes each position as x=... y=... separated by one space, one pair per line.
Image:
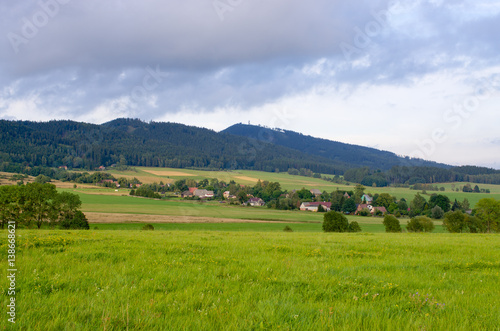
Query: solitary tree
x=440 y=200
x=11 y=197
x=418 y=203
x=455 y=221
x=437 y=212
x=391 y=224
x=65 y=206
x=488 y=210
x=335 y=222
x=39 y=202
x=384 y=200
x=349 y=206
x=420 y=224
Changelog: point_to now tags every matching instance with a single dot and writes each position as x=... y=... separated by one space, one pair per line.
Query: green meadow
x=202 y=279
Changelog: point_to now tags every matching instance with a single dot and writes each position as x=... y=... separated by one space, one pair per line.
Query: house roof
x=203 y=192
x=366 y=197
x=192 y=189
x=315 y=204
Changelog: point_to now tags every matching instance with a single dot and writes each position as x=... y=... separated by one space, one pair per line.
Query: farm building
x=255 y=202
x=313 y=206
x=367 y=199
x=228 y=195
x=372 y=209
x=203 y=194
x=316 y=192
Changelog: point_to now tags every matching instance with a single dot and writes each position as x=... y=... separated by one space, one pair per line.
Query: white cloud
x=263 y=58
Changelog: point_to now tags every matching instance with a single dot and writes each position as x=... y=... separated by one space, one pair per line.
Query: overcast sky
x=419 y=78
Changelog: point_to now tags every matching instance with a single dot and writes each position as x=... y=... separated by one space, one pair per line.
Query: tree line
x=407 y=176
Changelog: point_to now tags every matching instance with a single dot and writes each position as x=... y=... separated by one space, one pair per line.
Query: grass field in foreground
x=219 y=280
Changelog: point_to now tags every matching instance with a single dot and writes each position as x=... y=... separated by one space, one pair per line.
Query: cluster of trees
x=484 y=218
x=145 y=191
x=413 y=175
x=37 y=147
x=35 y=204
x=426 y=187
x=135 y=143
x=303 y=172
x=46 y=174
x=468 y=189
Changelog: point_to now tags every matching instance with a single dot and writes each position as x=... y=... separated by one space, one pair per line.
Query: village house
x=228 y=195
x=63 y=167
x=313 y=206
x=366 y=199
x=372 y=209
x=111 y=182
x=203 y=194
x=255 y=202
x=316 y=192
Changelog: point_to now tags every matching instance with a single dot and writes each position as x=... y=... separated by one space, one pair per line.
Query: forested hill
x=137 y=143
x=352 y=154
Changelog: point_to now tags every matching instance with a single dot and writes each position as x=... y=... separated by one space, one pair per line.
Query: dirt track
x=135 y=218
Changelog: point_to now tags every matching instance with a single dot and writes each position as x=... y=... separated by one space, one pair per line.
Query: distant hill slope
x=82 y=145
x=354 y=155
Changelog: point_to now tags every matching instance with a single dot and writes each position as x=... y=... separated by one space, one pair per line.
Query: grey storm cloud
x=75 y=55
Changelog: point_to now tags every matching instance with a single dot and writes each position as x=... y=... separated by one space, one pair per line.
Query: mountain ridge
x=334 y=150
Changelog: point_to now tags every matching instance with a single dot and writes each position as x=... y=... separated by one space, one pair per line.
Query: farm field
x=197 y=279
x=127 y=209
x=289 y=182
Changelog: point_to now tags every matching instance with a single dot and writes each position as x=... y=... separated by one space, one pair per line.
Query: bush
x=364 y=212
x=420 y=224
x=474 y=224
x=391 y=224
x=42 y=179
x=437 y=212
x=148 y=227
x=354 y=227
x=76 y=221
x=454 y=221
x=335 y=222
x=287 y=229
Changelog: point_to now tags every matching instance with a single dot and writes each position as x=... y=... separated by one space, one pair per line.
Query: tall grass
x=247 y=280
